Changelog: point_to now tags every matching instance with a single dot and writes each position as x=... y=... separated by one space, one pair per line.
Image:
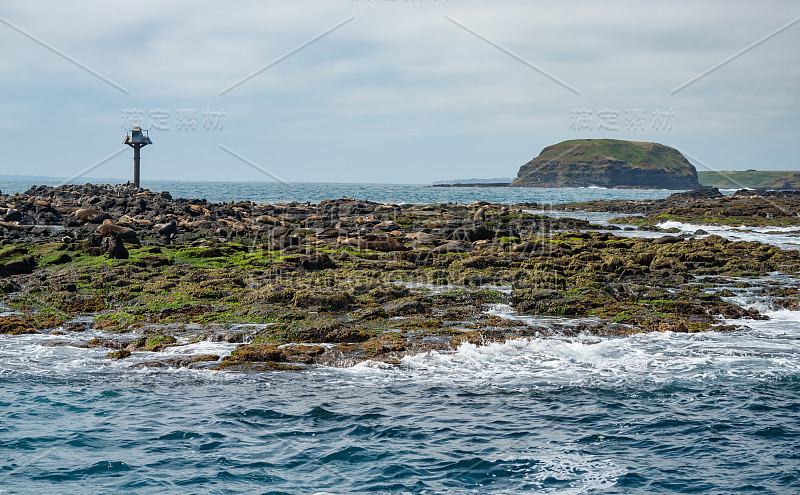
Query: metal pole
x=136 y=164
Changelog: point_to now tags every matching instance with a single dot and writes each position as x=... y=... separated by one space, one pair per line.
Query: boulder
x=18 y=267
x=404 y=306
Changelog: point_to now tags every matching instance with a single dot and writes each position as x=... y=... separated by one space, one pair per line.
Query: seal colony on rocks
x=344 y=281
x=608 y=163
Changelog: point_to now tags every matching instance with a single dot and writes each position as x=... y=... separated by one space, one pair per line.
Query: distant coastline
x=46 y=178
x=475 y=184
x=738 y=179
x=727 y=179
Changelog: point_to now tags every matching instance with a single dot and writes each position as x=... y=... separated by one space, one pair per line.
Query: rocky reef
x=706 y=206
x=608 y=163
x=344 y=281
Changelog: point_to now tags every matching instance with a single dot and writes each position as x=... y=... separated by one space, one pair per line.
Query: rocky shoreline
x=346 y=281
x=708 y=206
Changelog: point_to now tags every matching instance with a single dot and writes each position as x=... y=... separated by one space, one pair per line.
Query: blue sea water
x=658 y=413
x=382 y=193
x=650 y=413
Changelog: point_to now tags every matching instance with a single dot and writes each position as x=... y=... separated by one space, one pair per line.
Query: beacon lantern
x=137 y=139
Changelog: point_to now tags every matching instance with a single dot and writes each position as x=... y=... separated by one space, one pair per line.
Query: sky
x=390 y=91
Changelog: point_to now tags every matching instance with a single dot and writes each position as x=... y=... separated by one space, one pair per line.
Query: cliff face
x=608 y=163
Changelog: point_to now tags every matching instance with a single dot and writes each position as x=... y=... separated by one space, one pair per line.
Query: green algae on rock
x=302 y=296
x=706 y=206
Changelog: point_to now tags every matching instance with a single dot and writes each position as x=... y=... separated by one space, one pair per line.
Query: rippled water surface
x=666 y=413
x=650 y=413
x=382 y=193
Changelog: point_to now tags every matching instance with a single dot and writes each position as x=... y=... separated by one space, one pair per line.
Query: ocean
x=650 y=413
x=382 y=193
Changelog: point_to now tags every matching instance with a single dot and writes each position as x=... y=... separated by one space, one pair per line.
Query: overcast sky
x=393 y=91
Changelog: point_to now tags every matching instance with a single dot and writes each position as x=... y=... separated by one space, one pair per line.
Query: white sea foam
x=25 y=353
x=587 y=473
x=654 y=358
x=365 y=366
x=221 y=349
x=505 y=311
x=599 y=217
x=764 y=349
x=783 y=237
x=781 y=322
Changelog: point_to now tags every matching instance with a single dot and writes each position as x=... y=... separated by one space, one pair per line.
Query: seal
x=116 y=247
x=88 y=215
x=126 y=233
